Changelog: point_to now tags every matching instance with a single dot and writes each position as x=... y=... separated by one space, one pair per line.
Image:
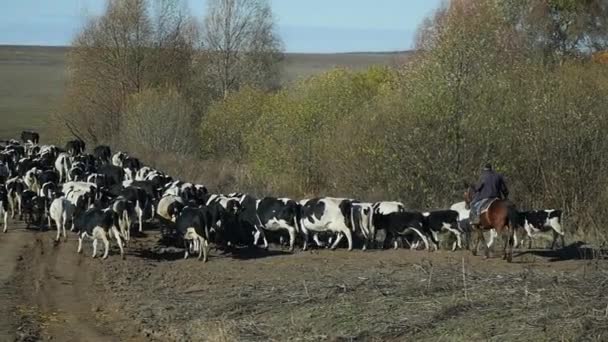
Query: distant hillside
x=33 y=79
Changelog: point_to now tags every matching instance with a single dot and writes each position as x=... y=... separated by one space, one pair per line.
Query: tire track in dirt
x=10 y=249
x=64 y=290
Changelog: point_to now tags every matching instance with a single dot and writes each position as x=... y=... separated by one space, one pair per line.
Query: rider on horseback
x=491 y=186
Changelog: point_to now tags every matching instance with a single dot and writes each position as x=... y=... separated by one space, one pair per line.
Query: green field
x=33 y=80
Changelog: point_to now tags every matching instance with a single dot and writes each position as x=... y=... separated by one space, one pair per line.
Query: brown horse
x=495 y=217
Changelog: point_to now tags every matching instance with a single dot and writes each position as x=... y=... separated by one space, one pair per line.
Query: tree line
x=522 y=84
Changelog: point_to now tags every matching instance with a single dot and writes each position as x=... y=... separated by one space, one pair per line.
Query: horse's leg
x=509 y=246
x=475 y=232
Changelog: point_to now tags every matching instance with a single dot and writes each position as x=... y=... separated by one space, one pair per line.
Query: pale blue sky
x=304 y=25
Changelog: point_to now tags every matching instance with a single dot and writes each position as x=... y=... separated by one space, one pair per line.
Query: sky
x=321 y=26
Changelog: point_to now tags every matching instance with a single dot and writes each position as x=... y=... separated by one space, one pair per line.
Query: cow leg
x=58 y=223
x=256 y=237
x=106 y=244
x=475 y=239
x=20 y=207
x=139 y=216
x=305 y=238
x=186 y=248
x=79 y=243
x=202 y=248
x=119 y=242
x=319 y=243
x=292 y=238
x=338 y=239
x=5 y=222
x=349 y=238
x=11 y=202
x=422 y=237
x=94 y=247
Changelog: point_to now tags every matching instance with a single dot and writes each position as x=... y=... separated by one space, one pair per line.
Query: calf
x=537 y=222
x=278 y=214
x=99 y=224
x=32 y=208
x=193 y=228
x=442 y=220
x=327 y=215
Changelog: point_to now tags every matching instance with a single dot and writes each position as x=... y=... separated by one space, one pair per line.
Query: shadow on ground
x=576 y=251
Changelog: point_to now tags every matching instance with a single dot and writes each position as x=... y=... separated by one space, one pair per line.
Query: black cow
x=113 y=175
x=30 y=136
x=75 y=147
x=192 y=226
x=99 y=224
x=103 y=154
x=32 y=208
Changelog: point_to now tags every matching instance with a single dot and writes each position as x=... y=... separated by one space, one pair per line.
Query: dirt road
x=50 y=293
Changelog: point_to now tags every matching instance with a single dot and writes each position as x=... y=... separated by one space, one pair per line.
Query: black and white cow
x=536 y=223
x=63 y=164
x=118 y=158
x=31 y=179
x=62 y=211
x=125 y=210
x=381 y=209
x=131 y=165
x=223 y=218
x=4 y=208
x=75 y=147
x=15 y=187
x=362 y=218
x=442 y=220
x=327 y=215
x=401 y=223
x=193 y=228
x=99 y=224
x=141 y=201
x=30 y=136
x=278 y=214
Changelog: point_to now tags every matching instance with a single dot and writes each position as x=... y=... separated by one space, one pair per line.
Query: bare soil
x=49 y=292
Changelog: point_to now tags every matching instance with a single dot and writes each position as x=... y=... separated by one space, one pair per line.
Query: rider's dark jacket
x=491 y=185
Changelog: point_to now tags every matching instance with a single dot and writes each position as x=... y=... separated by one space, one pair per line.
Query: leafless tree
x=134 y=45
x=241 y=44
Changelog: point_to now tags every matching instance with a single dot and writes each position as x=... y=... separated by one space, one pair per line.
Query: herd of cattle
x=105 y=196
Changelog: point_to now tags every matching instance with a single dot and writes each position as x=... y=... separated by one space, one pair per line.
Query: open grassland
x=33 y=80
